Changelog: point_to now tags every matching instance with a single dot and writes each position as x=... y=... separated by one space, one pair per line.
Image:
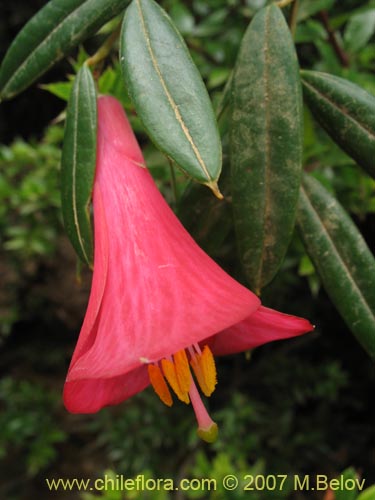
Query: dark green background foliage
x=294 y=407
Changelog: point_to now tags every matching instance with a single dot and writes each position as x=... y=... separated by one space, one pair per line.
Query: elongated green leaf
x=168 y=92
x=309 y=8
x=266 y=145
x=59 y=89
x=346 y=112
x=359 y=30
x=342 y=258
x=48 y=36
x=78 y=163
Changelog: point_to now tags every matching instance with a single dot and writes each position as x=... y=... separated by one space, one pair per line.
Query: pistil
x=207 y=428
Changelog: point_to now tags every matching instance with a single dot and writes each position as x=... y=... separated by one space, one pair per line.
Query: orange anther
x=170 y=374
x=159 y=384
x=181 y=364
x=205 y=370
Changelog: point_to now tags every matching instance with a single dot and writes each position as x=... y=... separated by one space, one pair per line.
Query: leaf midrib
x=335 y=249
x=41 y=44
x=171 y=101
x=266 y=208
x=74 y=172
x=336 y=106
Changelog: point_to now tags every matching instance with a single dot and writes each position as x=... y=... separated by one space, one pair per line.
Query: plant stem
x=224 y=98
x=293 y=17
x=341 y=54
x=283 y=3
x=105 y=49
x=173 y=180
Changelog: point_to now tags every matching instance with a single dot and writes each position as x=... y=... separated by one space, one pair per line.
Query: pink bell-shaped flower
x=159 y=306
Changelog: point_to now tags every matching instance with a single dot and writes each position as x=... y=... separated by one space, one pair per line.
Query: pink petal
x=162 y=293
x=89 y=396
x=264 y=325
x=86 y=336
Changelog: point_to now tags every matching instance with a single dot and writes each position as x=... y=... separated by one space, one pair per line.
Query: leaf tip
x=215 y=189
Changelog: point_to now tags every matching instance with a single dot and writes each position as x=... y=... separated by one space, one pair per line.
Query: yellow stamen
x=205 y=370
x=183 y=370
x=159 y=384
x=170 y=373
x=209 y=368
x=176 y=371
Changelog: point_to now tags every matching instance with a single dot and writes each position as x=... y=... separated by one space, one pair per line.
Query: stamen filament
x=197 y=348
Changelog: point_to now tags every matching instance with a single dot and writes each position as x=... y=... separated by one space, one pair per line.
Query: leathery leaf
x=57 y=28
x=342 y=258
x=266 y=145
x=168 y=92
x=78 y=164
x=346 y=112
